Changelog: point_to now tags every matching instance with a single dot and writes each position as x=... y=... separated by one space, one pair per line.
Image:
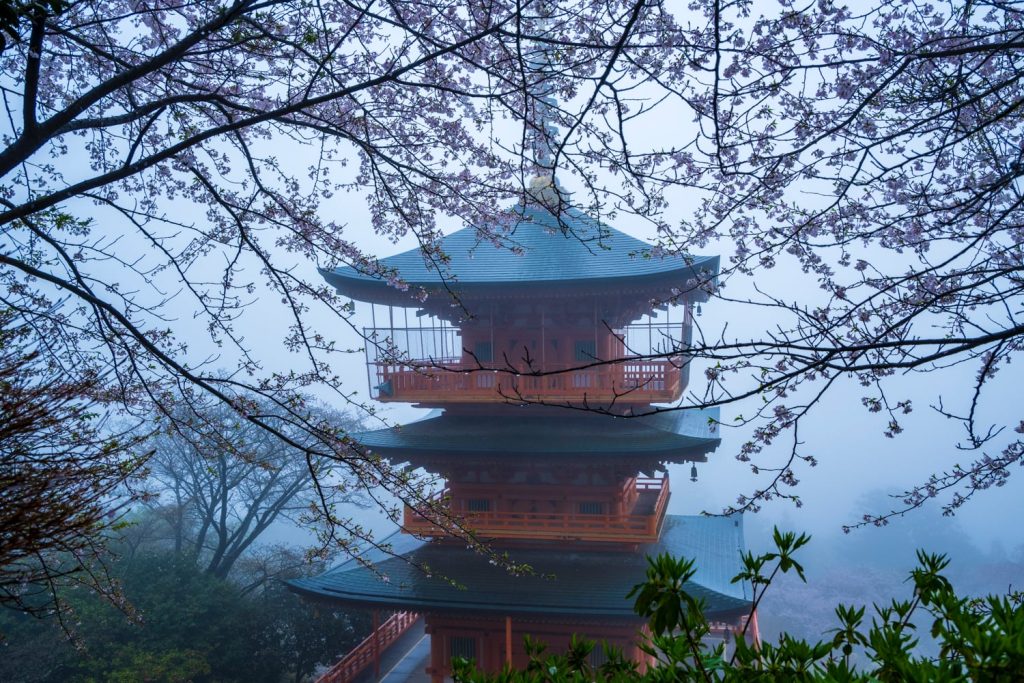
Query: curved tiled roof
x=539 y=248
x=686 y=433
x=567 y=583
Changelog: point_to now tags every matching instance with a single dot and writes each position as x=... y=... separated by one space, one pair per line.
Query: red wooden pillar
x=508 y=641
x=376 y=645
x=437 y=644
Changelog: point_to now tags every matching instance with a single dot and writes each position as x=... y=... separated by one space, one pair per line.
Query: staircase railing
x=365 y=653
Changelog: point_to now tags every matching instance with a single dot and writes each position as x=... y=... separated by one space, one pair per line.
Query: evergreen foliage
x=185 y=625
x=978 y=639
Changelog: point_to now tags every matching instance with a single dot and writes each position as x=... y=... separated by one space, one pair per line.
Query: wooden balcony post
x=508 y=641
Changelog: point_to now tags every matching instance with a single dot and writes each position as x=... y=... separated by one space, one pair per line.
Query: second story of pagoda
x=565 y=311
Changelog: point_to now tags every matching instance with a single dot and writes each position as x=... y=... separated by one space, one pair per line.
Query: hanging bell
x=693 y=473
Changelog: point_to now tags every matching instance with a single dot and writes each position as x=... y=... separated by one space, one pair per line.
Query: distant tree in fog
x=190 y=626
x=221 y=482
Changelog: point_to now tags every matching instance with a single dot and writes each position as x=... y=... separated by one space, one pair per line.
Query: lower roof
x=427 y=576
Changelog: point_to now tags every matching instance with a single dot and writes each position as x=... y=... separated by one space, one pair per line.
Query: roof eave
x=359 y=287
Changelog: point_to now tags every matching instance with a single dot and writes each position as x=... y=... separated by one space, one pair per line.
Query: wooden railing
x=659 y=381
x=629 y=528
x=365 y=653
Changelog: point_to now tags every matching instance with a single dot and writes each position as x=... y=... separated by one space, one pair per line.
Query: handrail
x=596 y=527
x=624 y=380
x=363 y=654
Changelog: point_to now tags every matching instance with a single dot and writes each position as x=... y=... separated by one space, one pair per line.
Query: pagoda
x=542 y=359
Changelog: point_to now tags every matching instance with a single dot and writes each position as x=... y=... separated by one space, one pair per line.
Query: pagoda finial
x=546 y=192
x=541 y=105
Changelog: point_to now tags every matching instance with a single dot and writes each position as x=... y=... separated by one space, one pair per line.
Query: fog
x=858 y=465
x=861 y=471
x=856 y=461
x=859 y=468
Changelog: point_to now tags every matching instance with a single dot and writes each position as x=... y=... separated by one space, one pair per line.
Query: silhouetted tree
x=63 y=475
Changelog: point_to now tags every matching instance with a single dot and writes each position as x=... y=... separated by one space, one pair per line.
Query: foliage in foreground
x=978 y=639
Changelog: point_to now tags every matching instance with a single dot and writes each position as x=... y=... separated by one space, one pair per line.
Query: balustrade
x=635 y=527
x=625 y=381
x=430 y=365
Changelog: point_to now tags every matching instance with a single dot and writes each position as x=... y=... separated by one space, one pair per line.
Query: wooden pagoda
x=536 y=357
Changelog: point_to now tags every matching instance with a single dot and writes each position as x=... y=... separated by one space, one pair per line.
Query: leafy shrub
x=979 y=639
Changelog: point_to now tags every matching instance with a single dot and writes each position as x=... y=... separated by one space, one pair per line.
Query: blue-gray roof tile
x=537 y=248
x=687 y=433
x=581 y=583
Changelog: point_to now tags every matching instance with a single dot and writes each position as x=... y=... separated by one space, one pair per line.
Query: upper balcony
x=435 y=366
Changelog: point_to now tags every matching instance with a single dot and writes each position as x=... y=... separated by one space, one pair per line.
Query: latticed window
x=478 y=505
x=483 y=351
x=585 y=350
x=591 y=507
x=463 y=646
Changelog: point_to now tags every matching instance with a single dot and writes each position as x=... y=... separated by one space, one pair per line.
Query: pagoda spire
x=542 y=105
